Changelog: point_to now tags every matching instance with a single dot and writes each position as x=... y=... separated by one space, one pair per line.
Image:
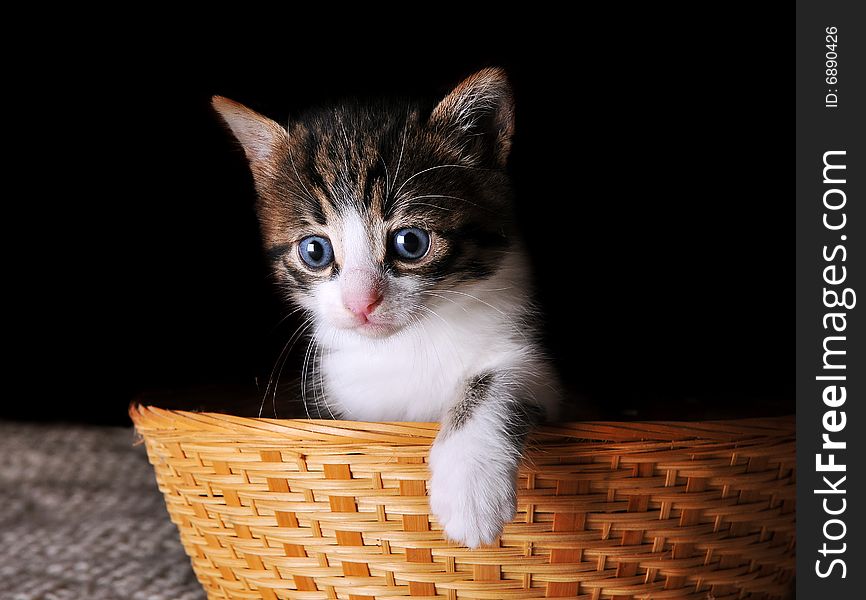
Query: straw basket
x=335 y=509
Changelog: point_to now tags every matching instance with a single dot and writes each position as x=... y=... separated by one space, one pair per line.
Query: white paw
x=472 y=491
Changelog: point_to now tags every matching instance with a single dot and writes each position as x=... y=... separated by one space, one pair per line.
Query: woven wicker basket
x=336 y=509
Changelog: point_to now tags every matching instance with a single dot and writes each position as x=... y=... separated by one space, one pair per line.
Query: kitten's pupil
x=316 y=251
x=411 y=243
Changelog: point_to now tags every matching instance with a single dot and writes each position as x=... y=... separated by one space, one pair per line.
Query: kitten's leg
x=475 y=457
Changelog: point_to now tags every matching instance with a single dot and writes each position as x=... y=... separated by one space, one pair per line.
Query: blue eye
x=411 y=243
x=316 y=251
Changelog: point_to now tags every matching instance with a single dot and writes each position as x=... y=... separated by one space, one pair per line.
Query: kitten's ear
x=481 y=106
x=260 y=137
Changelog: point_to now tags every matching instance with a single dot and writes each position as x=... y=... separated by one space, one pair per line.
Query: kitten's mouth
x=367 y=325
x=376 y=329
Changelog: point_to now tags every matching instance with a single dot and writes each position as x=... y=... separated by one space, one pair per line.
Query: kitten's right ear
x=261 y=138
x=479 y=114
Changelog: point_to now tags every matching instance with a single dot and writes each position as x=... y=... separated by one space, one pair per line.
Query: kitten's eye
x=316 y=251
x=411 y=243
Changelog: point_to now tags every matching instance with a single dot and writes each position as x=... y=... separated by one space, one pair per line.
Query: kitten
x=393 y=228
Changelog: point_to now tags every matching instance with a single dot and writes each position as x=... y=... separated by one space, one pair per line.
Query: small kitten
x=393 y=227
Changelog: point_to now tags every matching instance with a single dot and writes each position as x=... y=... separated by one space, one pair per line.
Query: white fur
x=354 y=244
x=417 y=373
x=417 y=370
x=472 y=489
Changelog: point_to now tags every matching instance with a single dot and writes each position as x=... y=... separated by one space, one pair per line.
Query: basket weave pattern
x=313 y=510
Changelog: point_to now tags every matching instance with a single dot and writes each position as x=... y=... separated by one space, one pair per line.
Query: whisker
x=310 y=196
x=312 y=371
x=508 y=318
x=473 y=297
x=434 y=346
x=304 y=376
x=447 y=299
x=402 y=147
x=394 y=208
x=324 y=396
x=281 y=361
x=348 y=143
x=421 y=172
x=405 y=201
x=447 y=336
x=289 y=314
x=387 y=178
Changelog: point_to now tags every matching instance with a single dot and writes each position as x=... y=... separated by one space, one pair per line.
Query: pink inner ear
x=258 y=135
x=361 y=291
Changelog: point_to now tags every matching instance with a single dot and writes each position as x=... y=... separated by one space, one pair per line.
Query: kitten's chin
x=372 y=329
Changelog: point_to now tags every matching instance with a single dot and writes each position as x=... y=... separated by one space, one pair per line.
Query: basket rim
x=148 y=418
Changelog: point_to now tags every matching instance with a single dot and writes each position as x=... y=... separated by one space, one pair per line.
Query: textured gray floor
x=81 y=519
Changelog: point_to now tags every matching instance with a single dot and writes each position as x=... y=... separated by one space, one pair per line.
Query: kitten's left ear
x=482 y=106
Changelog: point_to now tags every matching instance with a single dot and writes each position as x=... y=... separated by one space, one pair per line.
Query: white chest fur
x=417 y=374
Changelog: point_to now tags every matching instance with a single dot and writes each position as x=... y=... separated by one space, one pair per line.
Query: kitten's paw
x=472 y=496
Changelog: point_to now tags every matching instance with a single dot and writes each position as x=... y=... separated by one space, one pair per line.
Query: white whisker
x=402 y=147
x=421 y=172
x=281 y=361
x=304 y=374
x=405 y=201
x=298 y=177
x=508 y=318
x=387 y=178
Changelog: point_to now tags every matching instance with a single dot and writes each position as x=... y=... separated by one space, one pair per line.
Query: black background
x=650 y=168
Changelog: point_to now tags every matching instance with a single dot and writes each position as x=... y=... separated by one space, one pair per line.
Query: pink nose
x=362 y=304
x=361 y=291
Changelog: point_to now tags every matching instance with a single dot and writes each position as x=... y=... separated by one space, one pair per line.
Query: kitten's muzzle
x=361 y=291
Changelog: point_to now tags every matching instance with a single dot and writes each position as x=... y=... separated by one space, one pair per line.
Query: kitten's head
x=370 y=211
